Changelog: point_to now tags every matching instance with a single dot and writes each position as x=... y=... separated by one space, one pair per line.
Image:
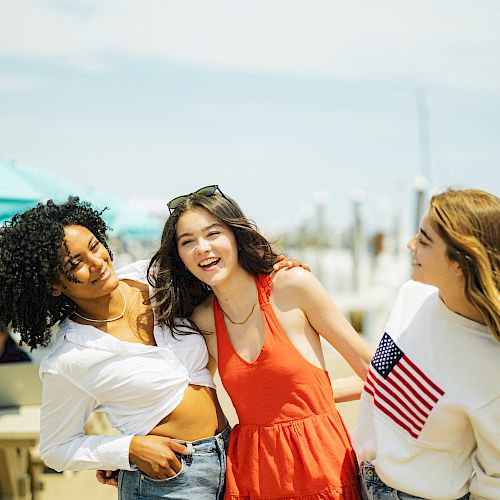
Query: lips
x=103 y=276
x=207 y=263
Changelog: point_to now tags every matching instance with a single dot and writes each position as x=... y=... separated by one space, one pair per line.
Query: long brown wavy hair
x=177 y=291
x=469 y=222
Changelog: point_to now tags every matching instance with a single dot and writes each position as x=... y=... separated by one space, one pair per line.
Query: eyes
x=74 y=264
x=210 y=235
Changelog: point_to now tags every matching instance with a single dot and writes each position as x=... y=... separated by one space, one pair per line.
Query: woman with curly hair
x=429 y=418
x=110 y=356
x=290 y=442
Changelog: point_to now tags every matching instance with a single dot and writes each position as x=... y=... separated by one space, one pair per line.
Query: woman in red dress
x=291 y=442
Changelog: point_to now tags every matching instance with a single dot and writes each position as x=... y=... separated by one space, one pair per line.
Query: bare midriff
x=197 y=416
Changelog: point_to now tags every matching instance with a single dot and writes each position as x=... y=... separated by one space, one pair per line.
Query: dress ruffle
x=293 y=458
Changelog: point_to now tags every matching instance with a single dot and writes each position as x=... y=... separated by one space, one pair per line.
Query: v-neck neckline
x=226 y=331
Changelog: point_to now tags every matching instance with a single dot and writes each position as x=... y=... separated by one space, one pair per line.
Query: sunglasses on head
x=204 y=191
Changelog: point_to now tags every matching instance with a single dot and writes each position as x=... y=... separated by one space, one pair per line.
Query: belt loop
x=189 y=456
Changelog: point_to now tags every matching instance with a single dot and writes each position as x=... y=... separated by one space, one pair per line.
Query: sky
x=283 y=104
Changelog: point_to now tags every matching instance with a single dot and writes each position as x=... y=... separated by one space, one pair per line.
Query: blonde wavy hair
x=469 y=222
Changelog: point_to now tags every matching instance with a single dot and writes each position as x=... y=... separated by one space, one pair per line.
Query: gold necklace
x=246 y=319
x=107 y=320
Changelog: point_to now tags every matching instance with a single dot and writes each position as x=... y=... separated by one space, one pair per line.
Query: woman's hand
x=155 y=455
x=288 y=263
x=109 y=477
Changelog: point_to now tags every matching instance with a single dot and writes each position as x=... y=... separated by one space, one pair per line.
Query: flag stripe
x=392 y=408
x=396 y=397
x=412 y=390
x=425 y=377
x=400 y=385
x=418 y=383
x=393 y=417
x=411 y=403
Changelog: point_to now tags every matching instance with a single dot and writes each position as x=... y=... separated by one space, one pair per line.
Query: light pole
x=320 y=200
x=357 y=198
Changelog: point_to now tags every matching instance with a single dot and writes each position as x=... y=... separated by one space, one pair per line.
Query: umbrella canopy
x=16 y=194
x=22 y=188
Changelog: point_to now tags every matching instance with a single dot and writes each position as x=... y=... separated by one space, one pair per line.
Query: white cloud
x=428 y=41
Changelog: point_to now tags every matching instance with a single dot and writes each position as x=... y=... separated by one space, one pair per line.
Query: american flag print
x=399 y=388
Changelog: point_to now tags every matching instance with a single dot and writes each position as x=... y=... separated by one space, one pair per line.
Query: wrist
x=133 y=449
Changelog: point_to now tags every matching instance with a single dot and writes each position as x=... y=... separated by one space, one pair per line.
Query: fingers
x=108 y=477
x=112 y=482
x=172 y=468
x=281 y=263
x=176 y=466
x=288 y=263
x=177 y=447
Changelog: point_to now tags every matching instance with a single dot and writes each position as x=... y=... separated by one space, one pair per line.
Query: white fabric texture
x=457 y=448
x=135 y=385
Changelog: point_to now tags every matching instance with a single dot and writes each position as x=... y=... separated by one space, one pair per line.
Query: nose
x=95 y=262
x=203 y=246
x=411 y=243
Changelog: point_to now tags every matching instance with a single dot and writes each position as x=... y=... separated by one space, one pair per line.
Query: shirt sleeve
x=486 y=458
x=63 y=443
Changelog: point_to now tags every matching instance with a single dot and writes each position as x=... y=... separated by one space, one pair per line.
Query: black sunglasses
x=204 y=191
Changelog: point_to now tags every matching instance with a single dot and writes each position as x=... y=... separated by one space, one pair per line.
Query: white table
x=19 y=432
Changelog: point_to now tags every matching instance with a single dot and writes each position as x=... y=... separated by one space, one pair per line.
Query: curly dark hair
x=31 y=261
x=178 y=292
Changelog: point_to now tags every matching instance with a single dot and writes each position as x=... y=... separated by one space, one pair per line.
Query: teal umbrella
x=16 y=194
x=22 y=188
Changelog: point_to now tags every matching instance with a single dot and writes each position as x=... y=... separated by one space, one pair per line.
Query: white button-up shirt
x=136 y=385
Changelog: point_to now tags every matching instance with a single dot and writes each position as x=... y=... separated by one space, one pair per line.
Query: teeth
x=207 y=262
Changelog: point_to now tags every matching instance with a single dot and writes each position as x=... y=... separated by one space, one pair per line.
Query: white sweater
x=429 y=418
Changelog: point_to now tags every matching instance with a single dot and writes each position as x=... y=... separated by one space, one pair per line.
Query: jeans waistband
x=208 y=444
x=368 y=473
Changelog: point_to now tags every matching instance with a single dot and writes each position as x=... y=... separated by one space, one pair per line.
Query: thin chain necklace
x=107 y=320
x=246 y=319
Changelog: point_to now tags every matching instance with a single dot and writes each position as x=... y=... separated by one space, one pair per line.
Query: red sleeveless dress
x=291 y=442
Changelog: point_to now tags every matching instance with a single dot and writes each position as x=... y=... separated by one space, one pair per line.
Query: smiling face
x=206 y=246
x=88 y=270
x=431 y=264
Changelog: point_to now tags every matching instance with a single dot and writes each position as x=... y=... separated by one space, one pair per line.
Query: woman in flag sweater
x=429 y=420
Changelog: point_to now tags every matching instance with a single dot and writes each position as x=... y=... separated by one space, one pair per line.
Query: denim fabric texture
x=373 y=488
x=202 y=475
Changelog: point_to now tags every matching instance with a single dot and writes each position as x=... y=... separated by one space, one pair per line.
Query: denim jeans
x=373 y=488
x=202 y=475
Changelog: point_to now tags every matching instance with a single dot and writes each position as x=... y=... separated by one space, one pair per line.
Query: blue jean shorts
x=373 y=488
x=202 y=475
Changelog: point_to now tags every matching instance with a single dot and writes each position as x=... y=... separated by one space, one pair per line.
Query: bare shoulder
x=295 y=287
x=295 y=279
x=203 y=315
